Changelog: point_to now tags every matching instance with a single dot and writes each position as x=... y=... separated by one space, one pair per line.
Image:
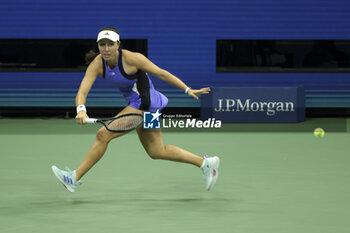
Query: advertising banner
x=254 y=104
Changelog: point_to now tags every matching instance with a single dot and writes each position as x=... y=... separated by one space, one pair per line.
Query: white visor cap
x=107 y=34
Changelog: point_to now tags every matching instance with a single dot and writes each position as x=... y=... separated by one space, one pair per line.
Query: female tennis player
x=128 y=71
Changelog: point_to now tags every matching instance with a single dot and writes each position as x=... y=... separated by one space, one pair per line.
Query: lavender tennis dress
x=137 y=88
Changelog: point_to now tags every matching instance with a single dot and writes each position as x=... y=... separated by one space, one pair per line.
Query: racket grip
x=91 y=120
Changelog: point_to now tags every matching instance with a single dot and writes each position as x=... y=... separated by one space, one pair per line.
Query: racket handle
x=91 y=120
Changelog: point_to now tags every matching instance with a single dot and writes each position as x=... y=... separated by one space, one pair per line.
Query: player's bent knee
x=154 y=154
x=103 y=135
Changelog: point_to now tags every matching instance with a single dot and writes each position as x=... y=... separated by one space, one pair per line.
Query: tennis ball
x=319 y=132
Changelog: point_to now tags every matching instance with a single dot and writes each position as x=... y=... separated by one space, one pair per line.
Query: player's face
x=108 y=49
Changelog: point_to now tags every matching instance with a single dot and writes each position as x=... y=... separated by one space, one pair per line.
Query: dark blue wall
x=181 y=38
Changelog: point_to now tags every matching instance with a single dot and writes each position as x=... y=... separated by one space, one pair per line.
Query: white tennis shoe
x=210 y=169
x=67 y=178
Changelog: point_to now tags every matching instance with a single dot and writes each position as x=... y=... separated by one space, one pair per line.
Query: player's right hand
x=81 y=117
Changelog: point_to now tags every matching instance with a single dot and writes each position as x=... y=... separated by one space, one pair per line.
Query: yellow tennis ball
x=319 y=132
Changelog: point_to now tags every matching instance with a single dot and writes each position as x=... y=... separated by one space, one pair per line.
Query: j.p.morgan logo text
x=232 y=105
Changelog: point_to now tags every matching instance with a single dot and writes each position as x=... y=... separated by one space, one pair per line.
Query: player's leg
x=71 y=179
x=152 y=141
x=103 y=137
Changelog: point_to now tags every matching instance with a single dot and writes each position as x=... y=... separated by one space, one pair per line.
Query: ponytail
x=90 y=56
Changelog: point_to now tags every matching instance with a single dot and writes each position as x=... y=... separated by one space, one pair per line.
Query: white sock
x=203 y=163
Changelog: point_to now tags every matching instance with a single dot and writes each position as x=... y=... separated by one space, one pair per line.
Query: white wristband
x=81 y=108
x=187 y=89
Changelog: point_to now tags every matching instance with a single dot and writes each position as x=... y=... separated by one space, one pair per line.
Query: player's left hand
x=196 y=93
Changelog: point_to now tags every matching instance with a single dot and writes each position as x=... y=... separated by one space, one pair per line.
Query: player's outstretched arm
x=143 y=63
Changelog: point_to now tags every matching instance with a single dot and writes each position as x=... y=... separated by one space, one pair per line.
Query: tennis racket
x=121 y=123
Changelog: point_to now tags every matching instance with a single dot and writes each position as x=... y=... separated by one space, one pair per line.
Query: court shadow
x=132 y=200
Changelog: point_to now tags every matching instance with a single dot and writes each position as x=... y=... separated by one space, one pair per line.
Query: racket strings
x=124 y=123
